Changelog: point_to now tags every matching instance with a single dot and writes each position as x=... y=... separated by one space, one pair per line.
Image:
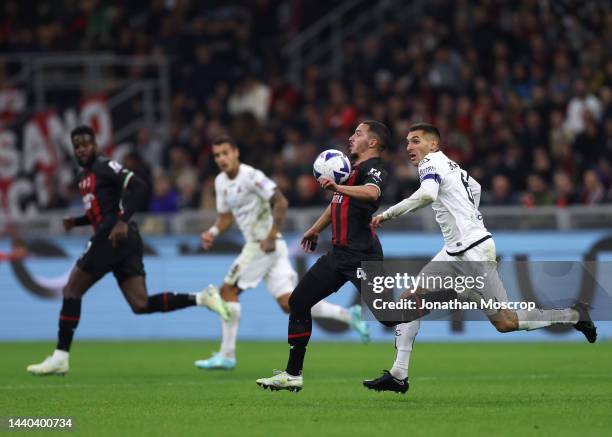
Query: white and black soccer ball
x=332 y=164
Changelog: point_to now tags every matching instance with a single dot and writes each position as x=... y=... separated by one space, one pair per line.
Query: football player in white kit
x=455 y=197
x=246 y=195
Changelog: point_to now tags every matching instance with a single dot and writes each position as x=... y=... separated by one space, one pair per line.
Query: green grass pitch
x=152 y=388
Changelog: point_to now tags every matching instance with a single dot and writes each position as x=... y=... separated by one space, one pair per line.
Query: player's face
x=419 y=144
x=226 y=157
x=84 y=149
x=359 y=142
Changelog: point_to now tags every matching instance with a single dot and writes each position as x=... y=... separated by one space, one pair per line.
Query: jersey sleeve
x=222 y=206
x=376 y=176
x=115 y=172
x=434 y=169
x=262 y=185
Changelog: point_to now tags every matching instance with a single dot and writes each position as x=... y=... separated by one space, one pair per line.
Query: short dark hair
x=380 y=131
x=83 y=130
x=427 y=128
x=225 y=139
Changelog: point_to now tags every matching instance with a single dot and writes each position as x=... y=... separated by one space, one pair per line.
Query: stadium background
x=522 y=92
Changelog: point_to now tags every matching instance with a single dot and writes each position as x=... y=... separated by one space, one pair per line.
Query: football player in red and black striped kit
x=111 y=194
x=354 y=240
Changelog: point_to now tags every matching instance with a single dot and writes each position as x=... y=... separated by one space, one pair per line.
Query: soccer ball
x=332 y=164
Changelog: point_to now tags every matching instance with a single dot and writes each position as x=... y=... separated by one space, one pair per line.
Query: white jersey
x=247 y=197
x=456 y=206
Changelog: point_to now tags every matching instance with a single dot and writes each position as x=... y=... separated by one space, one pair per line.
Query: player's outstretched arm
x=311 y=236
x=425 y=195
x=366 y=193
x=323 y=221
x=279 y=205
x=222 y=224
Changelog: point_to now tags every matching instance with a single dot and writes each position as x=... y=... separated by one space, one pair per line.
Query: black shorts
x=325 y=277
x=331 y=272
x=338 y=266
x=125 y=261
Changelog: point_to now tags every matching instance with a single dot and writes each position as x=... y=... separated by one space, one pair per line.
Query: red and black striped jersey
x=351 y=218
x=101 y=187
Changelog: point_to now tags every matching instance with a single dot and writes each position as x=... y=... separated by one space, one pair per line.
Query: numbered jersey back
x=456 y=207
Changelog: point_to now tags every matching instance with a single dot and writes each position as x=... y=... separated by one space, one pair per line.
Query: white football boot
x=56 y=364
x=211 y=299
x=281 y=380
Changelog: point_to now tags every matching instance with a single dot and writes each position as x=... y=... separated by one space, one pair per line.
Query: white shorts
x=253 y=265
x=479 y=261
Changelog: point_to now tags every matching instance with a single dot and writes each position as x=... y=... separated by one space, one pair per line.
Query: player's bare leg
x=58 y=363
x=134 y=290
x=396 y=379
x=225 y=358
x=283 y=302
x=528 y=320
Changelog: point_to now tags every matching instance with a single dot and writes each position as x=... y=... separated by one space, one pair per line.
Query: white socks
x=405 y=333
x=230 y=331
x=326 y=310
x=59 y=354
x=536 y=319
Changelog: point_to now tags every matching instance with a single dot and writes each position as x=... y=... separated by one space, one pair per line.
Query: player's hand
x=377 y=220
x=268 y=245
x=207 y=239
x=309 y=241
x=119 y=233
x=68 y=223
x=328 y=184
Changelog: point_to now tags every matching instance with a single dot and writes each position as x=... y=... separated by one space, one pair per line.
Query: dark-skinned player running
x=111 y=194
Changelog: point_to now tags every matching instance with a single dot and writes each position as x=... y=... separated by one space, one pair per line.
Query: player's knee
x=293 y=302
x=298 y=308
x=140 y=307
x=229 y=293
x=505 y=325
x=283 y=302
x=69 y=293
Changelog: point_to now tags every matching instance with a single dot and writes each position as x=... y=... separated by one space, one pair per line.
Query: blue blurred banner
x=31 y=289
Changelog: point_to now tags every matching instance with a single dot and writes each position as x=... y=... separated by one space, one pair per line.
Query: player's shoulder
x=102 y=164
x=248 y=171
x=101 y=161
x=373 y=169
x=253 y=176
x=436 y=161
x=373 y=166
x=432 y=158
x=429 y=164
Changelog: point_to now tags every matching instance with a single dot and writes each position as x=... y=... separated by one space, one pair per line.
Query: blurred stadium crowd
x=521 y=91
